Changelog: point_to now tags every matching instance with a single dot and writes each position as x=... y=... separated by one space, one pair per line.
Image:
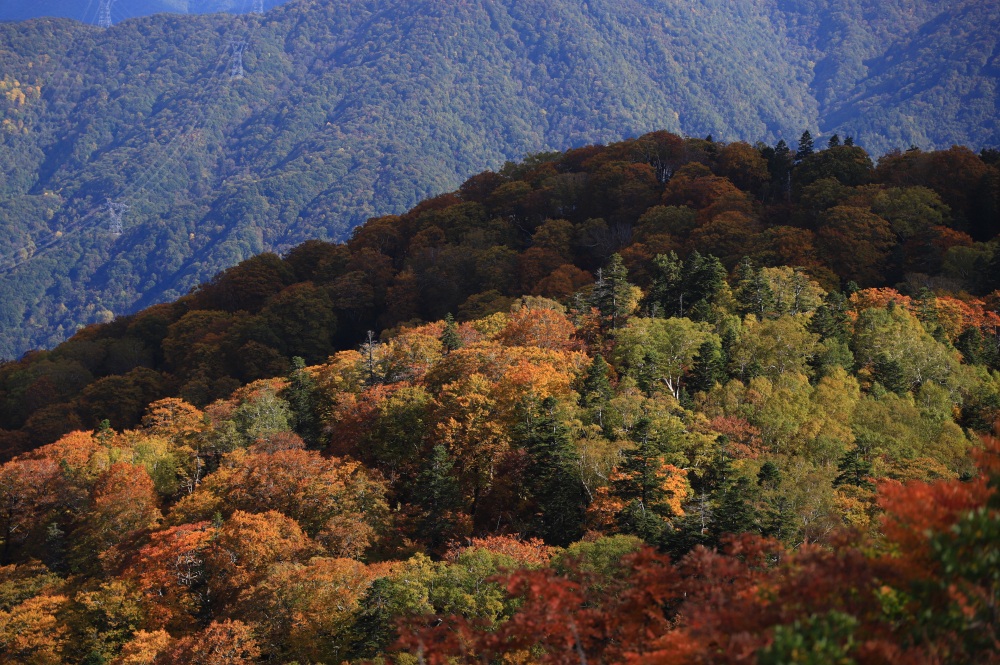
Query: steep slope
x=351 y=109
x=346 y=110
x=121 y=10
x=545 y=227
x=597 y=471
x=938 y=80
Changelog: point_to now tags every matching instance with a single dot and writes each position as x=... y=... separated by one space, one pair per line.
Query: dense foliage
x=254 y=477
x=90 y=12
x=374 y=503
x=351 y=109
x=924 y=222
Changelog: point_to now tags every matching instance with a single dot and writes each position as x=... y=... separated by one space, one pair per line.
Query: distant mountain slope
x=351 y=109
x=935 y=82
x=88 y=11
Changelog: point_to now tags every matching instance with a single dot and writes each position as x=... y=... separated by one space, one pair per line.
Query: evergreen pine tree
x=553 y=483
x=991 y=278
x=769 y=476
x=666 y=295
x=854 y=469
x=753 y=293
x=449 y=336
x=374 y=629
x=709 y=367
x=301 y=397
x=437 y=492
x=640 y=485
x=719 y=471
x=685 y=288
x=890 y=374
x=971 y=345
x=805 y=146
x=926 y=306
x=779 y=165
x=597 y=381
x=596 y=390
x=612 y=294
x=104 y=432
x=834 y=141
x=734 y=509
x=691 y=530
x=703 y=279
x=724 y=504
x=729 y=340
x=776 y=516
x=830 y=320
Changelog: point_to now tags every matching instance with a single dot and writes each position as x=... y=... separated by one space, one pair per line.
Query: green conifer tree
x=709 y=367
x=889 y=373
x=971 y=345
x=596 y=390
x=735 y=512
x=437 y=492
x=724 y=503
x=753 y=293
x=104 y=432
x=666 y=294
x=805 y=146
x=301 y=397
x=552 y=482
x=728 y=340
x=926 y=306
x=830 y=320
x=777 y=519
x=854 y=469
x=612 y=294
x=597 y=382
x=704 y=278
x=449 y=336
x=640 y=485
x=779 y=165
x=685 y=288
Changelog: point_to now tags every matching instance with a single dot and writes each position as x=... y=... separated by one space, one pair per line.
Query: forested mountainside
x=680 y=415
x=121 y=10
x=924 y=223
x=344 y=110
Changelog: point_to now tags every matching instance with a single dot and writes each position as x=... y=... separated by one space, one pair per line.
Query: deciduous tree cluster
x=683 y=456
x=547 y=227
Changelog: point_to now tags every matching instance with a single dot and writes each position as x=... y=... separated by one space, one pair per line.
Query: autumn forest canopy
x=668 y=400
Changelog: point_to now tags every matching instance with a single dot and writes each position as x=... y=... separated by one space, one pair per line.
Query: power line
x=258 y=7
x=116 y=209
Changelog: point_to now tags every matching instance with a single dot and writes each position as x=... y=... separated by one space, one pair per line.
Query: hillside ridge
x=350 y=110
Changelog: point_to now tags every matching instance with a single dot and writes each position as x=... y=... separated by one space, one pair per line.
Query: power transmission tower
x=258 y=7
x=236 y=63
x=104 y=13
x=116 y=211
